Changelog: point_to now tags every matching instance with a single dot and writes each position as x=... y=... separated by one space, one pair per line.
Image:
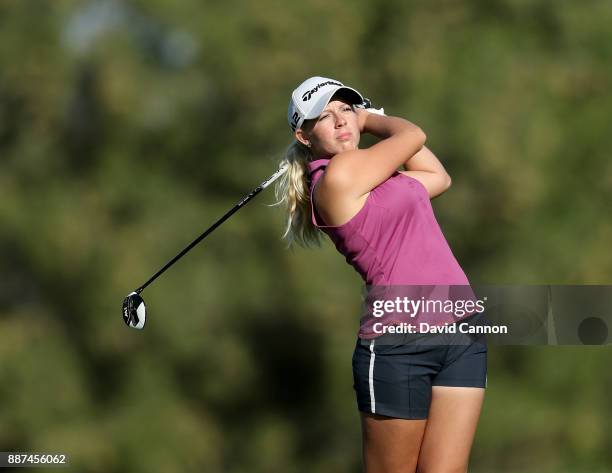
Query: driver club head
x=134 y=311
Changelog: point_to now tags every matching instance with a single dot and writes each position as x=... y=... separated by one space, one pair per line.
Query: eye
x=323 y=116
x=348 y=108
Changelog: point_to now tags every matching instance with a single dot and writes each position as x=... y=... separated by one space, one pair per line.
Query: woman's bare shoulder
x=335 y=205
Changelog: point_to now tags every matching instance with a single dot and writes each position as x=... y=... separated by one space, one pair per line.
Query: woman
x=419 y=402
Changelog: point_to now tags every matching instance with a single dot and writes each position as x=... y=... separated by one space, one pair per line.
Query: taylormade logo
x=307 y=95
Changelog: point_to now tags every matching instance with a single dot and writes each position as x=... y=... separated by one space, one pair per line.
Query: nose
x=340 y=120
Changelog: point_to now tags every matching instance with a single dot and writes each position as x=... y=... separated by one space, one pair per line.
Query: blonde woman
x=419 y=403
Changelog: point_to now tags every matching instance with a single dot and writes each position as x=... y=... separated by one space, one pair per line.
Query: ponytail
x=292 y=189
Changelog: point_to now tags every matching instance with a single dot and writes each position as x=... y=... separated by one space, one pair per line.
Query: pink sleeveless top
x=394 y=242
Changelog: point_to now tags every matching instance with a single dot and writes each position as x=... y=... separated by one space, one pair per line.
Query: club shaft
x=210 y=229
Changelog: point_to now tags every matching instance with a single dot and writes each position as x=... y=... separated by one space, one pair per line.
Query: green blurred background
x=126 y=128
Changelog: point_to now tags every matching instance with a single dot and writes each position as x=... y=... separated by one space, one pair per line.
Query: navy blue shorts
x=394 y=373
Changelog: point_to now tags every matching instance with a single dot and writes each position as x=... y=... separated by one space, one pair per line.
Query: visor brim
x=348 y=93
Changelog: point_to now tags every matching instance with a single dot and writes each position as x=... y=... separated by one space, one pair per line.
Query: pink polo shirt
x=395 y=243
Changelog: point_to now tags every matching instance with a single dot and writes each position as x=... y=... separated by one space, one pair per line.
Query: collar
x=317 y=164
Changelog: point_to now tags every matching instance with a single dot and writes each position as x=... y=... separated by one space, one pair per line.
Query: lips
x=344 y=136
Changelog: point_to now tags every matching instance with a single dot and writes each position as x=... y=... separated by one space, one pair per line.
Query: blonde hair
x=292 y=189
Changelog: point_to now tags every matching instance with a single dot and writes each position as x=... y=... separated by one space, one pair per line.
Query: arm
x=425 y=167
x=355 y=173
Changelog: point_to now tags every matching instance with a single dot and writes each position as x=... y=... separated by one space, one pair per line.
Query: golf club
x=134 y=309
